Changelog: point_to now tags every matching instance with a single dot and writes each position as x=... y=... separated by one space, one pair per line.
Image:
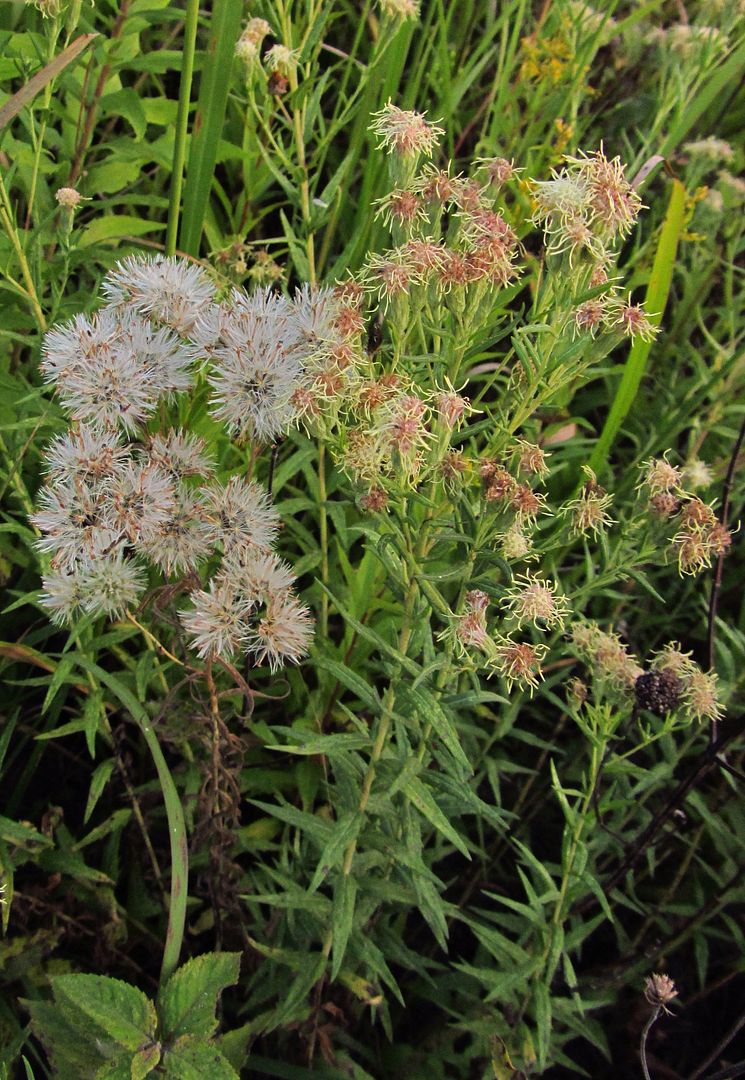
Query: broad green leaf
x=194 y=1059
x=116 y=227
x=126 y=1015
x=187 y=1002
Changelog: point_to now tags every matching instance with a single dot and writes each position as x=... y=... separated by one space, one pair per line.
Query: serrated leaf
x=187 y=1002
x=233 y=1045
x=126 y=1015
x=194 y=1059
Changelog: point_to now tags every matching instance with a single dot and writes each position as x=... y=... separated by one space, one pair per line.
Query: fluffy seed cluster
x=121 y=502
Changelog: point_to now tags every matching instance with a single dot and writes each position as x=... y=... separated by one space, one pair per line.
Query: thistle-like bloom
x=660 y=476
x=63 y=595
x=281 y=60
x=532 y=600
x=659 y=990
x=172 y=291
x=112 y=369
x=178 y=542
x=84 y=454
x=588 y=511
x=711 y=149
x=218 y=620
x=391 y=275
x=519 y=662
x=530 y=458
x=73 y=523
x=606 y=654
x=631 y=319
x=586 y=204
x=401 y=206
x=68 y=198
x=259 y=575
x=400 y=9
x=700 y=696
x=515 y=543
x=256 y=365
x=112 y=585
x=180 y=454
x=240 y=514
x=615 y=205
x=139 y=501
x=284 y=632
x=405 y=132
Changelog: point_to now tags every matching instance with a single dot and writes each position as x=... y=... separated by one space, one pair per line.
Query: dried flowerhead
x=534 y=600
x=405 y=132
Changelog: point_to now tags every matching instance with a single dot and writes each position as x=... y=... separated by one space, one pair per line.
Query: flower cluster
x=674 y=683
x=586 y=206
x=701 y=537
x=515 y=661
x=126 y=495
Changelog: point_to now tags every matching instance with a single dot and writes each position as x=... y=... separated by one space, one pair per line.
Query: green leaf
x=209 y=120
x=345 y=831
x=234 y=1045
x=99 y=780
x=122 y=1011
x=423 y=800
x=194 y=1059
x=37 y=82
x=354 y=682
x=126 y=103
x=72 y=1054
x=187 y=1002
x=431 y=711
x=655 y=301
x=116 y=227
x=345 y=895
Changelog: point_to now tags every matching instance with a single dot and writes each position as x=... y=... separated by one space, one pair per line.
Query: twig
x=721 y=1045
x=709 y=759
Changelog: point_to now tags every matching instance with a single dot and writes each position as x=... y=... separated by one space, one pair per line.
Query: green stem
x=174 y=816
x=182 y=124
x=324 y=538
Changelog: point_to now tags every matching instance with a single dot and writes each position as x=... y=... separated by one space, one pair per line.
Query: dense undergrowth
x=373 y=635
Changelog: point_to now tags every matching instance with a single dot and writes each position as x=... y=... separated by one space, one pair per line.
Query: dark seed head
x=658 y=691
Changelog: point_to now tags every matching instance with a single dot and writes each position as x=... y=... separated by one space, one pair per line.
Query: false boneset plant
x=442 y=468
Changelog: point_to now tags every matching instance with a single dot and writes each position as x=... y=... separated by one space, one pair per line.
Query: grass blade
x=658 y=290
x=209 y=120
x=182 y=124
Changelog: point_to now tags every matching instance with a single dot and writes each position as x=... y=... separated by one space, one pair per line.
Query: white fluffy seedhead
x=174 y=292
